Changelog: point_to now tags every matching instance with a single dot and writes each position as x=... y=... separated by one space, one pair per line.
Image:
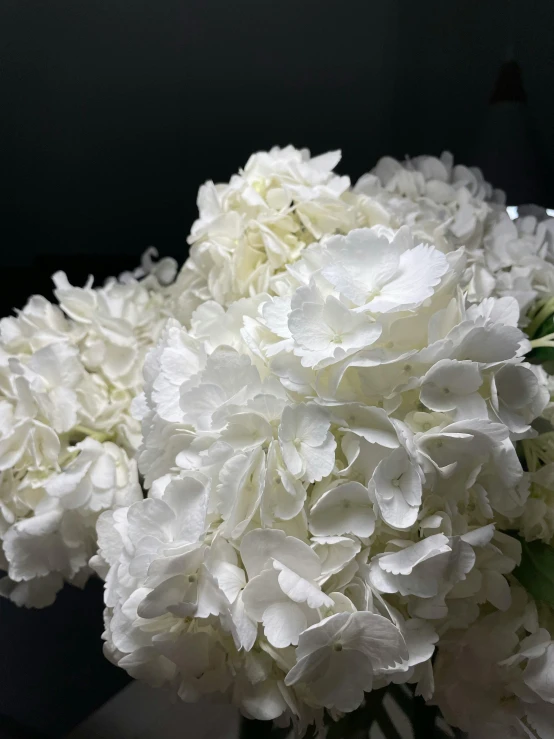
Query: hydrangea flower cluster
x=68 y=375
x=452 y=205
x=344 y=449
x=250 y=228
x=516 y=258
x=445 y=204
x=494 y=679
x=330 y=464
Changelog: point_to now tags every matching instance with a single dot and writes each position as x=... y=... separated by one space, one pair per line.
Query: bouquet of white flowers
x=341 y=412
x=68 y=374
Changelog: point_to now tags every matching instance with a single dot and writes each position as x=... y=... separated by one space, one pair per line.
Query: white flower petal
x=346 y=509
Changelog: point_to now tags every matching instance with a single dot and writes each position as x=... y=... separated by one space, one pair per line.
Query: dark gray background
x=116 y=110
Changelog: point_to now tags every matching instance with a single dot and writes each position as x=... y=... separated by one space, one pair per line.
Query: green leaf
x=542 y=355
x=536 y=571
x=546 y=327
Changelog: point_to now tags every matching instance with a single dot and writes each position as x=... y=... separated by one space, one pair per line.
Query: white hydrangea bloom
x=452 y=205
x=328 y=440
x=339 y=657
x=445 y=204
x=515 y=258
x=326 y=470
x=68 y=376
x=113 y=328
x=250 y=228
x=52 y=536
x=495 y=679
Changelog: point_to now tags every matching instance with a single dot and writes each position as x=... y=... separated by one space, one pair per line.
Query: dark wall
x=115 y=110
x=53 y=673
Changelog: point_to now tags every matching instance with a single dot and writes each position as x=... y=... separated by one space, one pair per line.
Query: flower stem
x=544 y=341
